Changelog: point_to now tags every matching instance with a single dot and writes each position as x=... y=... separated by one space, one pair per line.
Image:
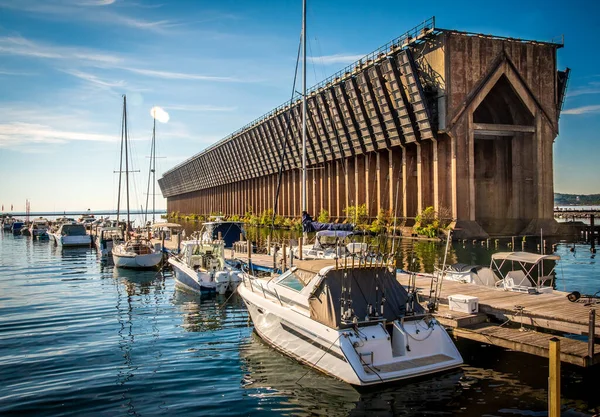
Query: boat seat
x=519 y=278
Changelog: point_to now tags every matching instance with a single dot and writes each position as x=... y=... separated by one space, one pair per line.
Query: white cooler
x=464 y=303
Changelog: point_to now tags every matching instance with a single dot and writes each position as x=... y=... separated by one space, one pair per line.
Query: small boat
x=510 y=271
x=227 y=231
x=39 y=227
x=7 y=223
x=135 y=252
x=17 y=227
x=201 y=267
x=332 y=244
x=105 y=238
x=357 y=324
x=523 y=272
x=71 y=234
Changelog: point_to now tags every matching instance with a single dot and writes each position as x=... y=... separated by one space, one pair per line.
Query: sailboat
x=135 y=252
x=354 y=322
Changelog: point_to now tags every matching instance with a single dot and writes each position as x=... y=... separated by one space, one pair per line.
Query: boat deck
x=548 y=313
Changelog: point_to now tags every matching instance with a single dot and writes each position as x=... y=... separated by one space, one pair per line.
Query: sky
x=214 y=66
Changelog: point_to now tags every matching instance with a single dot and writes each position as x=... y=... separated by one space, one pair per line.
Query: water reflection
x=206 y=312
x=299 y=390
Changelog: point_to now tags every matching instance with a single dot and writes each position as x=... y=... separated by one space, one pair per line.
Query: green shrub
x=323 y=216
x=357 y=215
x=428 y=224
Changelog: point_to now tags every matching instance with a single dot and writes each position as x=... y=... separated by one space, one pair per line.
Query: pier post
x=554 y=378
x=283 y=257
x=249 y=242
x=591 y=335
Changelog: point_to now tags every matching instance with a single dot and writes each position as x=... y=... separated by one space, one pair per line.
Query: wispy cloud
x=199 y=108
x=16 y=45
x=16 y=73
x=92 y=2
x=583 y=110
x=179 y=75
x=88 y=10
x=19 y=133
x=335 y=59
x=592 y=87
x=94 y=79
x=584 y=90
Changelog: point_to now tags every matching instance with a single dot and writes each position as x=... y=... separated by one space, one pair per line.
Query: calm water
x=80 y=338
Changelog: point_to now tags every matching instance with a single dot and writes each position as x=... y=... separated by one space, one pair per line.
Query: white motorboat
x=201 y=267
x=71 y=234
x=510 y=271
x=39 y=227
x=137 y=252
x=523 y=271
x=332 y=244
x=357 y=324
x=105 y=238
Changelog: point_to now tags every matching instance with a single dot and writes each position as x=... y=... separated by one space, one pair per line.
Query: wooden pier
x=537 y=317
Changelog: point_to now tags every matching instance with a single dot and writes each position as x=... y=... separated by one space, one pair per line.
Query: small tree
x=426 y=223
x=323 y=216
x=357 y=215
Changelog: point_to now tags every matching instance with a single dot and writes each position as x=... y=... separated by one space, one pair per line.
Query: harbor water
x=78 y=337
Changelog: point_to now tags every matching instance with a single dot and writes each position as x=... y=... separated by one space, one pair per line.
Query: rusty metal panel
x=415 y=94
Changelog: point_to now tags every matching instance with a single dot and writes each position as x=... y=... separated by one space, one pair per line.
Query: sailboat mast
x=126 y=164
x=121 y=161
x=151 y=175
x=154 y=172
x=303 y=106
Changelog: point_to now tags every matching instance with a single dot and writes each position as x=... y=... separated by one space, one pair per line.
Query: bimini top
x=335 y=233
x=168 y=225
x=524 y=257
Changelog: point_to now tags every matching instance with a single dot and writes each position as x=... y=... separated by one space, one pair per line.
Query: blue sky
x=215 y=66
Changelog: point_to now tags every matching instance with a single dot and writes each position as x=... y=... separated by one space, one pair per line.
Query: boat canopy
x=523 y=257
x=230 y=231
x=369 y=285
x=335 y=233
x=166 y=225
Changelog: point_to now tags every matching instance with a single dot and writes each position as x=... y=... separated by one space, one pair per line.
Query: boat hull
x=189 y=280
x=334 y=352
x=125 y=259
x=71 y=240
x=203 y=282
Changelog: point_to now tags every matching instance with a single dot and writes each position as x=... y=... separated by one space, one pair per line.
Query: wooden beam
x=503 y=128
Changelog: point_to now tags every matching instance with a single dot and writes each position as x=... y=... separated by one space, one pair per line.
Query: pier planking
x=550 y=312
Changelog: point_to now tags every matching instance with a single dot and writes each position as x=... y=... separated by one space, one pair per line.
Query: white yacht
x=201 y=267
x=357 y=324
x=71 y=234
x=39 y=226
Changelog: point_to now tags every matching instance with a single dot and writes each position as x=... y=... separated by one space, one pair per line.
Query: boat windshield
x=73 y=230
x=292 y=281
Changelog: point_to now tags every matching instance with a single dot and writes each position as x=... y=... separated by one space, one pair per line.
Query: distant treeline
x=576 y=199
